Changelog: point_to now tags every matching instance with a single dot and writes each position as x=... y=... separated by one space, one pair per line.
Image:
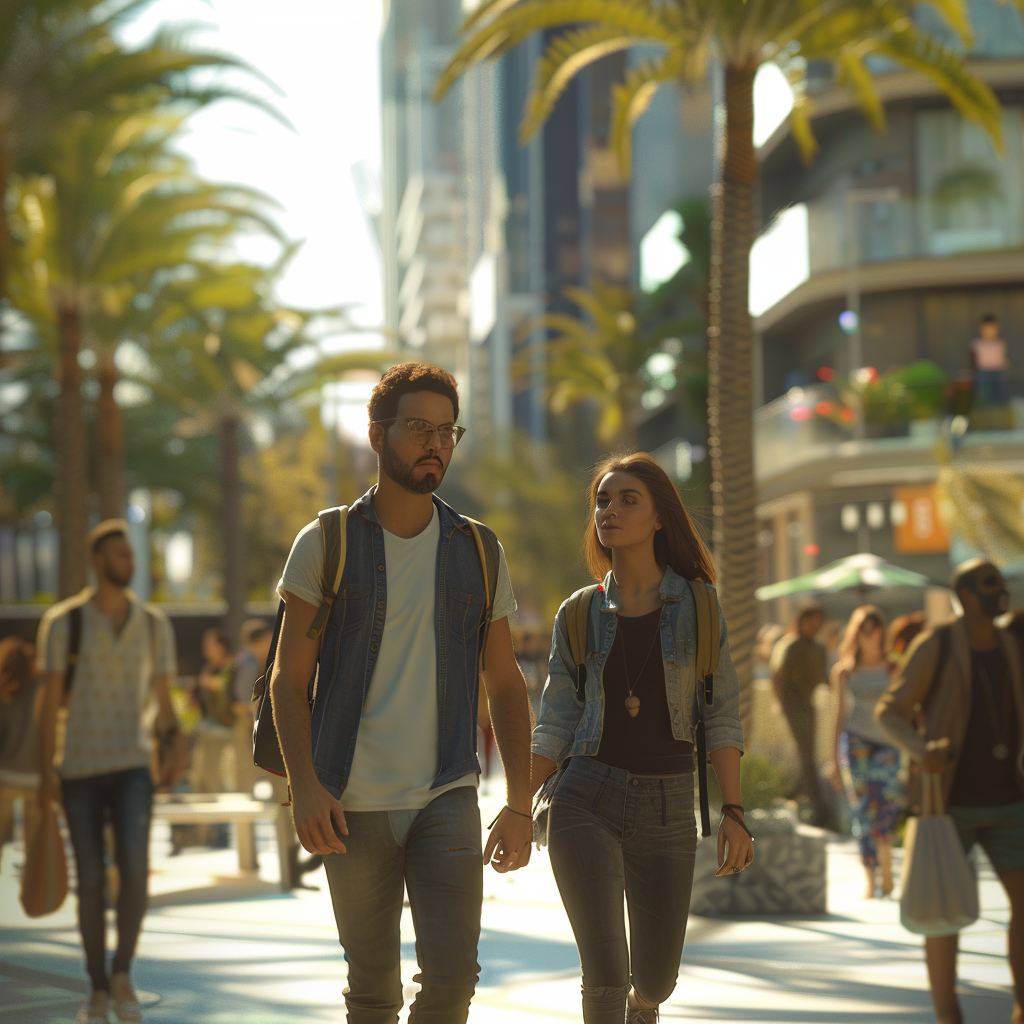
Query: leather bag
x=44 y=884
x=940 y=892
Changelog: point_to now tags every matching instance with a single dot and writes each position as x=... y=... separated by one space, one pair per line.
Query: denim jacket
x=352 y=639
x=570 y=727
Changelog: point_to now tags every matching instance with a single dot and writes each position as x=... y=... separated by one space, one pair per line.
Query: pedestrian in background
x=383 y=768
x=866 y=764
x=966 y=680
x=213 y=741
x=990 y=363
x=19 y=738
x=254 y=641
x=799 y=665
x=106 y=692
x=621 y=820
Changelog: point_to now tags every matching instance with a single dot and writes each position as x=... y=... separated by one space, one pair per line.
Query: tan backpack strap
x=702 y=612
x=715 y=644
x=577 y=615
x=333 y=523
x=490 y=564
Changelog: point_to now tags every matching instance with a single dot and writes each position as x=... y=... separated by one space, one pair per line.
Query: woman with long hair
x=866 y=763
x=621 y=820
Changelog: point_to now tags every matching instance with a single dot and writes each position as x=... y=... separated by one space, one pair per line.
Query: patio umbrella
x=857 y=572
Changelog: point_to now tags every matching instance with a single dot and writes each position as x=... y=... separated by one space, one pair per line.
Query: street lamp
x=852 y=324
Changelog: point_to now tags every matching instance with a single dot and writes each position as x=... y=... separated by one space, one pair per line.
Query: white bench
x=208 y=808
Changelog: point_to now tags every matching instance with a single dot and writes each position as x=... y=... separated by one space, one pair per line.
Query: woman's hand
x=735 y=847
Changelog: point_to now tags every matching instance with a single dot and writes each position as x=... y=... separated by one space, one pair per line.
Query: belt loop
x=664 y=808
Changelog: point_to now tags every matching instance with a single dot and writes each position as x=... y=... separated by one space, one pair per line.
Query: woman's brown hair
x=849 y=649
x=676 y=545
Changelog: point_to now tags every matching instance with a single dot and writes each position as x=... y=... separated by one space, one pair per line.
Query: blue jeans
x=436 y=854
x=613 y=833
x=126 y=800
x=991 y=389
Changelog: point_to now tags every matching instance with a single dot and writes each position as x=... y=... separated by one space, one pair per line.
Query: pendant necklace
x=633 y=702
x=1001 y=750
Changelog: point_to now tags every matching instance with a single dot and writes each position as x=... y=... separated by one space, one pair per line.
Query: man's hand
x=508 y=844
x=936 y=761
x=166 y=721
x=318 y=818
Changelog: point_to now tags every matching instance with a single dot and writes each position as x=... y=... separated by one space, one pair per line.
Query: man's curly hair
x=406 y=378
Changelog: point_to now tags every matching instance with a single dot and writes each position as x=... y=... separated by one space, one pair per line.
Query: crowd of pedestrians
x=384 y=679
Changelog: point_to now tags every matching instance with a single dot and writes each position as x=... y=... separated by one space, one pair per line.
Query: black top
x=982 y=779
x=643 y=745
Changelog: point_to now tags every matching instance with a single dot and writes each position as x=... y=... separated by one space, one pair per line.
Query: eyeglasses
x=421 y=431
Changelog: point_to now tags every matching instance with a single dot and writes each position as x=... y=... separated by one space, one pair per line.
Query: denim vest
x=352 y=639
x=570 y=724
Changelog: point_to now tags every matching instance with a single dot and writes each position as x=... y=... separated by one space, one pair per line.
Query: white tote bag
x=940 y=892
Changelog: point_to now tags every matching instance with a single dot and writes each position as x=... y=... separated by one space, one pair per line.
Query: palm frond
x=631 y=97
x=948 y=69
x=566 y=55
x=800 y=126
x=514 y=24
x=853 y=72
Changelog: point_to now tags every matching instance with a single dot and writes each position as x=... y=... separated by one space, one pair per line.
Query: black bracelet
x=728 y=812
x=734 y=807
x=509 y=809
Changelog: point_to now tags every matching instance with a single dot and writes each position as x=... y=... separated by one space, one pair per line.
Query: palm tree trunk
x=109 y=441
x=234 y=530
x=72 y=484
x=730 y=376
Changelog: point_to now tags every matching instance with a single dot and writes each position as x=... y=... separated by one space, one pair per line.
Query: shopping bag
x=940 y=892
x=44 y=884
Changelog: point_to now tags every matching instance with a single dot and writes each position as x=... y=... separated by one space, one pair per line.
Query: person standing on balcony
x=966 y=681
x=866 y=763
x=383 y=769
x=990 y=362
x=106 y=659
x=799 y=665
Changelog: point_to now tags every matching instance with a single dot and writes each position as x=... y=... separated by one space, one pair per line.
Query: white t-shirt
x=395 y=759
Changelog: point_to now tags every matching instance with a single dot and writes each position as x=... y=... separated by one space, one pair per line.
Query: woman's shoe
x=95 y=1010
x=635 y=1014
x=126 y=1006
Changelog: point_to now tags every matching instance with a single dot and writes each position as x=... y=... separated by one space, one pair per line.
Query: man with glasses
x=383 y=769
x=965 y=681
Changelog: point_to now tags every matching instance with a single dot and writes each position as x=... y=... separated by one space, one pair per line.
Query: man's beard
x=113 y=577
x=404 y=475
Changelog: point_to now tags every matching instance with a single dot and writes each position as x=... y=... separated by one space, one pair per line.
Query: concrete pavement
x=220 y=949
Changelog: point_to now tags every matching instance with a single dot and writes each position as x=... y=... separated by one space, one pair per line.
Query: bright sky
x=324 y=56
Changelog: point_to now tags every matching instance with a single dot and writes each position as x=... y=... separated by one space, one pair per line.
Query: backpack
x=705 y=599
x=266 y=747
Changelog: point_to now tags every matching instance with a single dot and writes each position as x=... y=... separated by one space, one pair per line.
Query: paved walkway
x=220 y=949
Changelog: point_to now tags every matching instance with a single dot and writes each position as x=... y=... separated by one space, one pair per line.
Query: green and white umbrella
x=858 y=572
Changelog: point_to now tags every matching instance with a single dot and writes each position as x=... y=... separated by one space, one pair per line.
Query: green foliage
x=913 y=392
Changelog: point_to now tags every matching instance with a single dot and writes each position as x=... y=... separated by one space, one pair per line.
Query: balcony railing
x=815 y=423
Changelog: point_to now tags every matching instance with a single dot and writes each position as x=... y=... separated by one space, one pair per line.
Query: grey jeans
x=613 y=833
x=436 y=854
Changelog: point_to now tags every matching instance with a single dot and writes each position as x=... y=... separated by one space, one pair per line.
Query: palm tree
x=116 y=208
x=59 y=58
x=600 y=358
x=741 y=35
x=218 y=353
